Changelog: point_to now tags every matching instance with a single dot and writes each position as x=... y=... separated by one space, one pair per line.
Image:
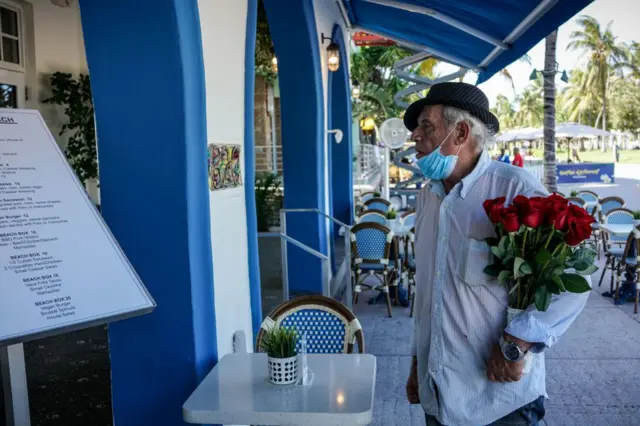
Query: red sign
x=364 y=39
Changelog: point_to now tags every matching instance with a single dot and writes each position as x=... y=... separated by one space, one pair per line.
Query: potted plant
x=636 y=217
x=376 y=195
x=574 y=193
x=280 y=345
x=391 y=214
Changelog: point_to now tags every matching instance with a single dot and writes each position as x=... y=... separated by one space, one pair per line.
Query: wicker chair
x=366 y=196
x=630 y=259
x=577 y=201
x=373 y=216
x=591 y=198
x=609 y=203
x=612 y=253
x=330 y=326
x=379 y=204
x=370 y=252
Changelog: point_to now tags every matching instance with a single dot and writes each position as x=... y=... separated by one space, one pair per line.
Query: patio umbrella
x=523 y=134
x=573 y=130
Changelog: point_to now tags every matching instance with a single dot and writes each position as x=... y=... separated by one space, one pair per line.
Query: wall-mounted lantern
x=274 y=64
x=355 y=89
x=333 y=54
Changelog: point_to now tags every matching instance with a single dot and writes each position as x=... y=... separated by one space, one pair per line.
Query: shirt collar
x=468 y=181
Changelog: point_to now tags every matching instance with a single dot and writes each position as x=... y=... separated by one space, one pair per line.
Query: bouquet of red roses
x=535 y=246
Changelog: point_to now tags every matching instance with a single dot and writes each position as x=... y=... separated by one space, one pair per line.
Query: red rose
x=556 y=198
x=493 y=208
x=509 y=218
x=578 y=230
x=531 y=211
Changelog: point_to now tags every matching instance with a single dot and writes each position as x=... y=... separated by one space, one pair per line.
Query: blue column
x=250 y=167
x=341 y=165
x=147 y=76
x=293 y=31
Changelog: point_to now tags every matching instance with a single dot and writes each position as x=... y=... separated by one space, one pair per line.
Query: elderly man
x=467 y=366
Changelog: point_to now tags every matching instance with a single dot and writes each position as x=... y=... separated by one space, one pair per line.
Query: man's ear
x=463 y=130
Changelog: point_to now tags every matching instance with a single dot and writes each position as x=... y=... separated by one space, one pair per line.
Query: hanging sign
x=61 y=269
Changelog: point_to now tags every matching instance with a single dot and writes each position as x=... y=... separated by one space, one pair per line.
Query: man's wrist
x=524 y=346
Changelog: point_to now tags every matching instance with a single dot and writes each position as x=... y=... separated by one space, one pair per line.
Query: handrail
x=295 y=243
x=346 y=270
x=320 y=212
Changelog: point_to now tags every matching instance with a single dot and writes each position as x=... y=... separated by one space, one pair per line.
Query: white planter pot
x=528 y=358
x=283 y=371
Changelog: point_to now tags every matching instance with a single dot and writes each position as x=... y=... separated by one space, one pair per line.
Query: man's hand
x=501 y=370
x=412 y=383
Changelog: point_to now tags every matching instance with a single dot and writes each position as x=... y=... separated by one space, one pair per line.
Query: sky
x=625 y=15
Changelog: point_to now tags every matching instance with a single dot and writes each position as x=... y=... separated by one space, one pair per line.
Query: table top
x=618 y=230
x=237 y=391
x=398 y=227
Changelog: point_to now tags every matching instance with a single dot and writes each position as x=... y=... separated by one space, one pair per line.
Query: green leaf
x=504 y=276
x=558 y=281
x=526 y=269
x=558 y=270
x=542 y=299
x=581 y=265
x=504 y=244
x=497 y=252
x=493 y=270
x=575 y=283
x=516 y=267
x=587 y=271
x=552 y=287
x=543 y=256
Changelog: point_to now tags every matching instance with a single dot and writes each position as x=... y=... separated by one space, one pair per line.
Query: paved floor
x=593 y=373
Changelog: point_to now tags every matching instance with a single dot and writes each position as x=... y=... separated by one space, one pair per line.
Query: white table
x=398 y=227
x=617 y=230
x=237 y=391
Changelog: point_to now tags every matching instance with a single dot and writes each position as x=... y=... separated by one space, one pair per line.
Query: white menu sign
x=60 y=267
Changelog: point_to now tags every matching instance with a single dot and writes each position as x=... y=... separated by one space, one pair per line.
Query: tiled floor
x=593 y=373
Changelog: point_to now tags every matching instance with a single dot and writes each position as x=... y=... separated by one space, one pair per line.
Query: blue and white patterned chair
x=409 y=219
x=367 y=196
x=630 y=258
x=373 y=216
x=331 y=328
x=379 y=204
x=370 y=253
x=609 y=203
x=591 y=198
x=614 y=244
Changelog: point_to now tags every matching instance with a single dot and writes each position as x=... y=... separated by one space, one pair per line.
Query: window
x=10 y=36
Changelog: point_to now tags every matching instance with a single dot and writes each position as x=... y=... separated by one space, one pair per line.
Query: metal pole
x=326 y=274
x=385 y=174
x=347 y=274
x=14 y=385
x=283 y=253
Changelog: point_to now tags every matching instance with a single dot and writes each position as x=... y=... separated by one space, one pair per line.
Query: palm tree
x=604 y=56
x=631 y=60
x=550 y=178
x=505 y=112
x=530 y=111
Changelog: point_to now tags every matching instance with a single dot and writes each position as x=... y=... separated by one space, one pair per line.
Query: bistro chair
x=614 y=254
x=366 y=196
x=590 y=197
x=378 y=204
x=330 y=326
x=578 y=202
x=370 y=251
x=409 y=219
x=373 y=216
x=629 y=259
x=609 y=203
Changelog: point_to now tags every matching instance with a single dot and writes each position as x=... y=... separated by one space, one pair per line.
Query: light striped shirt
x=460 y=312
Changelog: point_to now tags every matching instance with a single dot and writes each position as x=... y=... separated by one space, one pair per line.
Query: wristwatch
x=510 y=350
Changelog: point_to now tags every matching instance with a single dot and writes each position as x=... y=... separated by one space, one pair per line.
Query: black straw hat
x=459 y=95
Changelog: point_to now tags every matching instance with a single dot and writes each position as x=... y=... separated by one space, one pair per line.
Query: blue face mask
x=436 y=166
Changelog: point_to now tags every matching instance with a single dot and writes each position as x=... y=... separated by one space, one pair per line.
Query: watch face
x=511 y=351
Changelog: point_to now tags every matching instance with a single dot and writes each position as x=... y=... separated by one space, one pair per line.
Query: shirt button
x=438 y=274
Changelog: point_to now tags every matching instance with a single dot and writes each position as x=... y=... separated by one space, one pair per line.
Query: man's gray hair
x=478 y=129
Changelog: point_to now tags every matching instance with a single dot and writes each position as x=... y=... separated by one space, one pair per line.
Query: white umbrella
x=516 y=135
x=572 y=130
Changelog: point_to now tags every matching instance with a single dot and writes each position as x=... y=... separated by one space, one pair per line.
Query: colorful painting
x=224 y=167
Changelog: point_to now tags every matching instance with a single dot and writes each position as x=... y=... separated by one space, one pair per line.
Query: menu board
x=60 y=267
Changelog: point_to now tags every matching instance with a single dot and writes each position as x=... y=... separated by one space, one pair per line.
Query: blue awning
x=484 y=35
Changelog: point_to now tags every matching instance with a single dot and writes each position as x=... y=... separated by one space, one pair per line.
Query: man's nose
x=415 y=136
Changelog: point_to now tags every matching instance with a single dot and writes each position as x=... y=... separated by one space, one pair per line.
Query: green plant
x=267 y=191
x=574 y=193
x=75 y=96
x=376 y=194
x=391 y=214
x=636 y=214
x=280 y=342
